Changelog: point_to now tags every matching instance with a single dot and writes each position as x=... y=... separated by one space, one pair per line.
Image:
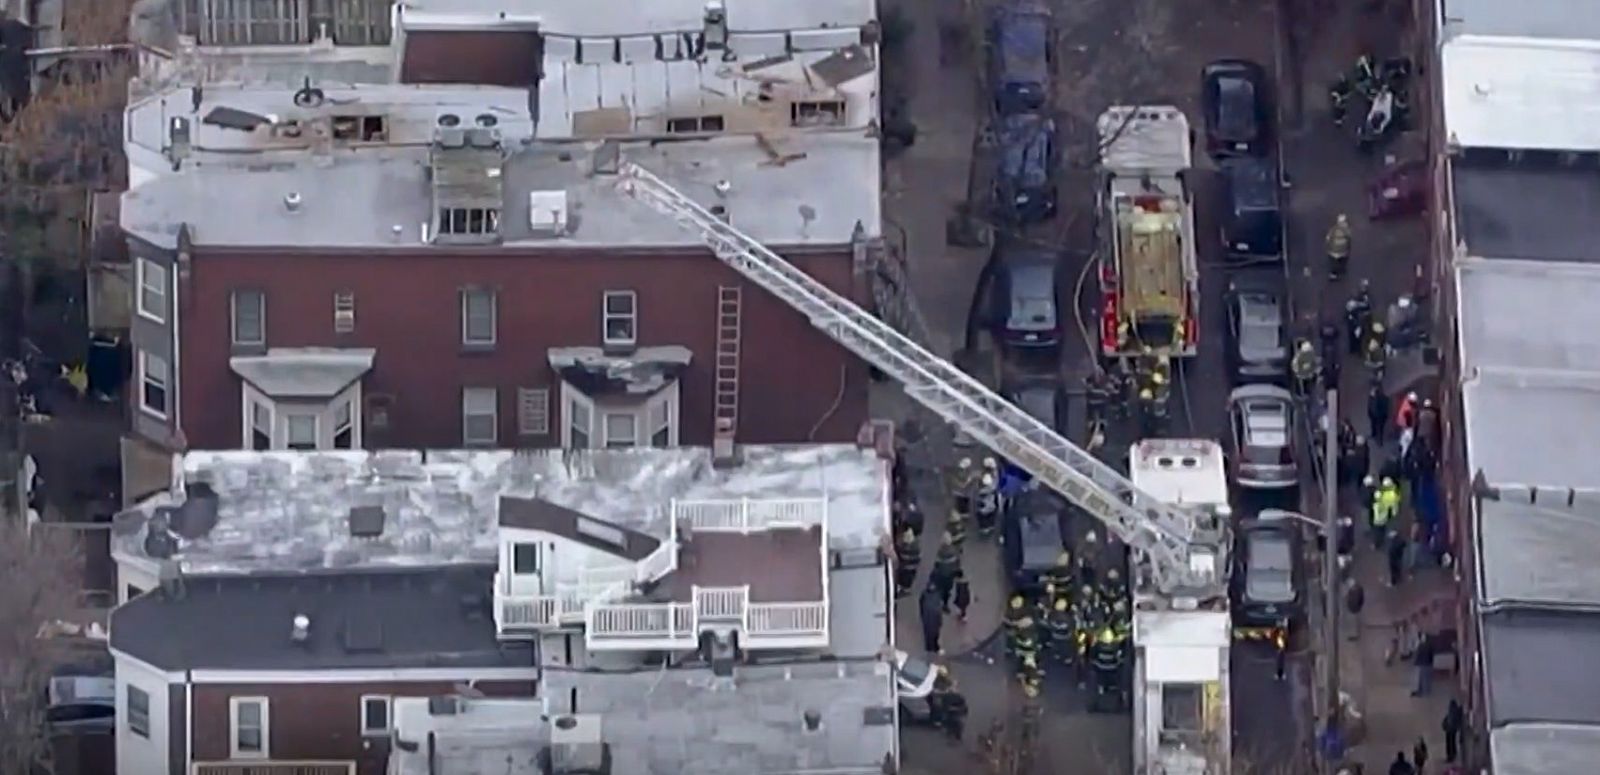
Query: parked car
x=1041 y=397
x=1025 y=178
x=1258 y=346
x=1238 y=116
x=1034 y=533
x=1267 y=580
x=1025 y=307
x=1252 y=225
x=1021 y=44
x=1261 y=419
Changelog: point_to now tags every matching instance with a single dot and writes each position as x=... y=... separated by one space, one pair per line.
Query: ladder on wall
x=725 y=390
x=1167 y=536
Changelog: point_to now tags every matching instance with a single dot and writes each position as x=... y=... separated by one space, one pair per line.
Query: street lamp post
x=1330 y=568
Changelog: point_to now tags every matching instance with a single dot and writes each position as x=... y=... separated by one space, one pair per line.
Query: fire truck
x=1149 y=272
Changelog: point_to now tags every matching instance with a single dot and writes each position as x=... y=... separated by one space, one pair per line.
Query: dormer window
x=817 y=113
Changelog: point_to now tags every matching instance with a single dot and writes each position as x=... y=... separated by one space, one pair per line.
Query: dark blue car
x=1021 y=55
x=1025 y=181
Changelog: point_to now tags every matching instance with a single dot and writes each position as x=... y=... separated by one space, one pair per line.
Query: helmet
x=1113 y=576
x=1064 y=558
x=1030 y=690
x=1016 y=601
x=1368 y=481
x=1365 y=285
x=988 y=480
x=1147 y=394
x=990 y=463
x=1158 y=378
x=948 y=538
x=1061 y=605
x=1361 y=441
x=1412 y=396
x=912 y=506
x=1090 y=537
x=909 y=535
x=965 y=463
x=1377 y=328
x=1148 y=350
x=1049 y=589
x=1427 y=403
x=1305 y=347
x=1342 y=220
x=1388 y=482
x=1403 y=302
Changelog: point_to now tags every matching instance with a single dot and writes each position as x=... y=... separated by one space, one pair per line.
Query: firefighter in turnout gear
x=1086 y=557
x=1063 y=630
x=1304 y=366
x=908 y=555
x=1107 y=655
x=956 y=528
x=1375 y=351
x=1063 y=573
x=960 y=482
x=1338 y=246
x=946 y=564
x=1339 y=98
x=1099 y=393
x=1027 y=644
x=1016 y=619
x=986 y=502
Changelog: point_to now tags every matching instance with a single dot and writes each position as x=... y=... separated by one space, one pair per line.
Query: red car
x=1399 y=192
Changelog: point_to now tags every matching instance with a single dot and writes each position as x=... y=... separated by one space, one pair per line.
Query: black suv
x=1021 y=47
x=1267 y=580
x=1253 y=224
x=1034 y=533
x=1025 y=182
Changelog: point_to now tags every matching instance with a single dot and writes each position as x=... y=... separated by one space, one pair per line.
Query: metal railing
x=787 y=619
x=748 y=515
x=267 y=767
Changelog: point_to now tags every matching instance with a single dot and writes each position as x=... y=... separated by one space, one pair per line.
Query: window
x=691 y=124
x=1182 y=708
x=477 y=317
x=249 y=318
x=480 y=417
x=366 y=129
x=469 y=220
x=621 y=430
x=344 y=312
x=250 y=722
x=817 y=113
x=533 y=411
x=138 y=708
x=344 y=425
x=152 y=301
x=620 y=319
x=525 y=559
x=580 y=420
x=155 y=381
x=300 y=431
x=375 y=715
x=260 y=426
x=660 y=411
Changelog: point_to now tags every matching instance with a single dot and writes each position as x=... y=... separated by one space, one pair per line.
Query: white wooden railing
x=721 y=603
x=259 y=767
x=787 y=619
x=747 y=515
x=657 y=564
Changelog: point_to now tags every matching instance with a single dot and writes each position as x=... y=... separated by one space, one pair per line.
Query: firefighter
x=1304 y=366
x=1114 y=587
x=945 y=566
x=1062 y=627
x=1061 y=574
x=1029 y=673
x=960 y=482
x=1331 y=357
x=986 y=502
x=1366 y=76
x=1357 y=316
x=1338 y=246
x=908 y=555
x=1027 y=645
x=1375 y=352
x=1105 y=661
x=912 y=517
x=1086 y=558
x=956 y=528
x=1015 y=619
x=1339 y=98
x=1097 y=392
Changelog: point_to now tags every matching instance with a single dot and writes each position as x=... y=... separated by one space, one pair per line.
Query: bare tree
x=38 y=586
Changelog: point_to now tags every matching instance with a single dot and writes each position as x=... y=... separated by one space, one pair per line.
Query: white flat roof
x=615 y=18
x=1522 y=93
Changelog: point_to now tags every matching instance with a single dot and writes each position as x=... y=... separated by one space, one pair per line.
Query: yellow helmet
x=1016 y=601
x=1064 y=558
x=1030 y=690
x=1158 y=378
x=1049 y=589
x=1147 y=394
x=1061 y=605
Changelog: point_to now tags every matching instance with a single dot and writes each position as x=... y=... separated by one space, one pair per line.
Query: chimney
x=301 y=629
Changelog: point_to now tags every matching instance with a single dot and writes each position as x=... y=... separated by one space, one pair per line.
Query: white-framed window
x=525 y=559
x=155 y=384
x=622 y=430
x=344 y=424
x=249 y=317
x=533 y=411
x=300 y=430
x=477 y=317
x=619 y=324
x=344 y=312
x=480 y=416
x=585 y=425
x=249 y=728
x=260 y=438
x=153 y=283
x=376 y=719
x=138 y=711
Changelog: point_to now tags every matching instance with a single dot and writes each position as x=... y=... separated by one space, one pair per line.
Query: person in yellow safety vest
x=1338 y=246
x=1385 y=507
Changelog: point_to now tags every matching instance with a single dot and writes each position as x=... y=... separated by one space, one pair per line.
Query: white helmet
x=988 y=480
x=990 y=463
x=965 y=463
x=1404 y=302
x=1305 y=347
x=1090 y=537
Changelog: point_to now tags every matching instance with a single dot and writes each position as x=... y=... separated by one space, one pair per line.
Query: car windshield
x=1023 y=38
x=1236 y=107
x=1027 y=156
x=1033 y=297
x=1254 y=184
x=914 y=671
x=1270 y=575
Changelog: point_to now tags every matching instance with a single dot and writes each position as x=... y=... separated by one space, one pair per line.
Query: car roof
x=1243 y=67
x=1253 y=181
x=1268 y=412
x=1268 y=392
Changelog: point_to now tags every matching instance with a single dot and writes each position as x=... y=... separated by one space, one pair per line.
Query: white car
x=914 y=676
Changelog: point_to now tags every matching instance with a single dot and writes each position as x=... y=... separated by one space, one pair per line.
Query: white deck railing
x=657 y=564
x=748 y=515
x=269 y=767
x=787 y=619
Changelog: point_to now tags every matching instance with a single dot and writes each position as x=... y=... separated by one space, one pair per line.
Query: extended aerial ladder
x=1181 y=555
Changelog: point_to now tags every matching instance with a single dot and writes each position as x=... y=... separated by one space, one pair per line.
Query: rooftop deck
x=778 y=566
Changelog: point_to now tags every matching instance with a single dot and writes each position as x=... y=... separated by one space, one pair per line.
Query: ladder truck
x=1179 y=552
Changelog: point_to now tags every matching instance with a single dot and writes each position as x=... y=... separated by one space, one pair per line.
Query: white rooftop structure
x=1549 y=19
x=1183 y=471
x=1521 y=93
x=290 y=511
x=617 y=18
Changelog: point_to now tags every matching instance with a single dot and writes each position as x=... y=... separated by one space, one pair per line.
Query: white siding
x=135 y=753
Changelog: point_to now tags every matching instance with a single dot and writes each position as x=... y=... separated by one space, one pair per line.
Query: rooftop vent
x=300 y=628
x=723 y=188
x=449 y=120
x=366 y=521
x=716 y=26
x=292 y=201
x=450 y=136
x=577 y=747
x=483 y=137
x=813 y=720
x=487 y=120
x=547 y=212
x=159 y=543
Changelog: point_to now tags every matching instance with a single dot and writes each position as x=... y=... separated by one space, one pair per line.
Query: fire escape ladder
x=725 y=388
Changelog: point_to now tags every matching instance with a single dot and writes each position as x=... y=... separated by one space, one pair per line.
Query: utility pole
x=1330 y=568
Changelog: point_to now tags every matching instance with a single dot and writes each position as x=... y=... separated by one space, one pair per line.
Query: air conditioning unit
x=547 y=213
x=576 y=747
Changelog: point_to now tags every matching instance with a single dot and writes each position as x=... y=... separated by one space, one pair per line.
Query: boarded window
x=533 y=411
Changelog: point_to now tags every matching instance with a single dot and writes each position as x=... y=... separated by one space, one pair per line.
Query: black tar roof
x=410 y=618
x=1535 y=208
